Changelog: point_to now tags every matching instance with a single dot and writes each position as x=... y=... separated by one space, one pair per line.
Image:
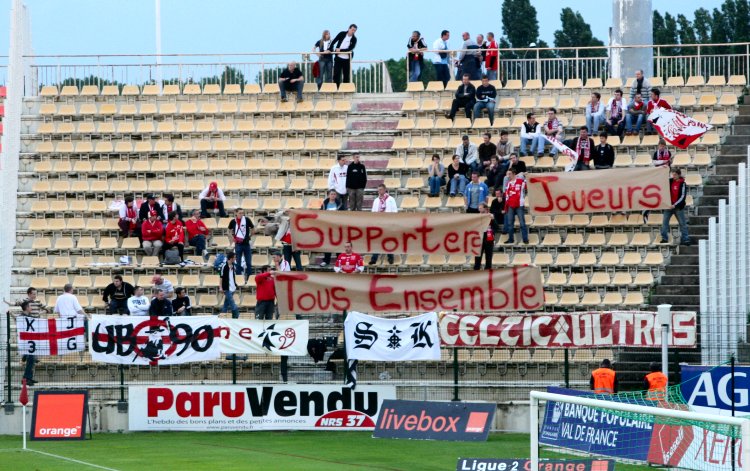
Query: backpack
x=219 y=263
x=172 y=257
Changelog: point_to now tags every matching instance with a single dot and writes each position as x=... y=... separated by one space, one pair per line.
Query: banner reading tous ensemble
x=507 y=289
x=626 y=189
x=398 y=233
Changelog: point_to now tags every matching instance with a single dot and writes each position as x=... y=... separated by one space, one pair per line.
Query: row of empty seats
x=190 y=108
x=152 y=90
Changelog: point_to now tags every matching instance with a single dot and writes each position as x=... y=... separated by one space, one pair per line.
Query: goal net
x=639 y=428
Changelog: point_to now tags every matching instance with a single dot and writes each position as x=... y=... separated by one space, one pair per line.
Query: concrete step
x=731 y=159
x=664 y=290
x=734 y=149
x=711 y=189
x=737 y=140
x=708 y=211
x=741 y=129
x=379 y=106
x=358 y=145
x=690 y=259
x=742 y=119
x=680 y=270
x=730 y=170
x=688 y=280
x=362 y=125
x=681 y=299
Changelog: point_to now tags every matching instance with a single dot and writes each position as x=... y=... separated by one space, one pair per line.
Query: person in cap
x=148 y=206
x=604 y=379
x=212 y=199
x=655 y=383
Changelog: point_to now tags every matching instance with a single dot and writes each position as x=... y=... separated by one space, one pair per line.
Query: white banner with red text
x=379 y=339
x=49 y=337
x=566 y=330
x=564 y=150
x=264 y=337
x=676 y=128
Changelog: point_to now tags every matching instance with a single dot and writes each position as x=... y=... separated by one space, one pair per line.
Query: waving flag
x=49 y=336
x=676 y=128
x=565 y=150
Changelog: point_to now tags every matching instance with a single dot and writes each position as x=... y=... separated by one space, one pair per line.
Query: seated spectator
x=464 y=98
x=486 y=95
x=163 y=284
x=469 y=153
x=491 y=57
x=655 y=101
x=435 y=175
x=594 y=113
x=497 y=207
x=175 y=235
x=615 y=123
x=504 y=149
x=639 y=86
x=291 y=79
x=514 y=198
x=279 y=264
x=128 y=218
x=488 y=241
x=212 y=198
x=197 y=234
x=530 y=133
x=160 y=305
x=485 y=151
x=332 y=203
x=169 y=205
x=604 y=154
x=148 y=206
x=415 y=46
x=349 y=262
x=518 y=165
x=181 y=303
x=384 y=203
x=552 y=128
x=138 y=304
x=476 y=193
x=457 y=177
x=116 y=295
x=636 y=112
x=152 y=231
x=662 y=156
x=494 y=173
x=584 y=147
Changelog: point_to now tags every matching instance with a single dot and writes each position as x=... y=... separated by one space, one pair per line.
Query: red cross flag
x=45 y=337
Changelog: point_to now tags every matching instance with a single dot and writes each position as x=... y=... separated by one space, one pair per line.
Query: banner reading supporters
x=626 y=189
x=410 y=233
x=264 y=337
x=51 y=337
x=153 y=340
x=563 y=330
x=676 y=128
x=379 y=339
x=506 y=289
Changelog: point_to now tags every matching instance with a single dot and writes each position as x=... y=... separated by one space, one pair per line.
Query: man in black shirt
x=518 y=165
x=356 y=181
x=486 y=151
x=291 y=79
x=116 y=294
x=486 y=96
x=488 y=239
x=604 y=154
x=151 y=205
x=181 y=304
x=160 y=306
x=465 y=98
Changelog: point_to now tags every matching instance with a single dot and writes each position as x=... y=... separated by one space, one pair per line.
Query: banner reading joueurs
x=627 y=189
x=400 y=233
x=507 y=289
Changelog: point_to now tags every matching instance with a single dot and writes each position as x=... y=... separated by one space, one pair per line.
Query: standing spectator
x=416 y=45
x=514 y=197
x=152 y=231
x=435 y=175
x=197 y=233
x=279 y=264
x=584 y=147
x=175 y=235
x=552 y=128
x=655 y=382
x=469 y=153
x=486 y=151
x=333 y=203
x=349 y=262
x=655 y=101
x=345 y=41
x=181 y=303
x=160 y=305
x=604 y=154
x=504 y=149
x=67 y=304
x=662 y=156
x=163 y=284
x=616 y=107
x=497 y=208
x=289 y=252
x=457 y=177
x=291 y=80
x=229 y=285
x=476 y=193
x=37 y=307
x=116 y=295
x=488 y=240
x=639 y=85
x=530 y=133
x=325 y=59
x=265 y=290
x=440 y=60
x=356 y=181
x=337 y=178
x=148 y=206
x=138 y=304
x=486 y=95
x=604 y=379
x=494 y=174
x=482 y=50
x=128 y=218
x=678 y=192
x=492 y=57
x=212 y=198
x=464 y=98
x=384 y=203
x=240 y=234
x=594 y=113
x=169 y=205
x=30 y=360
x=636 y=111
x=469 y=58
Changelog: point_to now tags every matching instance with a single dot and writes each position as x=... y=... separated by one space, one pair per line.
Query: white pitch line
x=71 y=459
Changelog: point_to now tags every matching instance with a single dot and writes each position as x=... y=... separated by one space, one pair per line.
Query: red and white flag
x=676 y=128
x=49 y=337
x=565 y=150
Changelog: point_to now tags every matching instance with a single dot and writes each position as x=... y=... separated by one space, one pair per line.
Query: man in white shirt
x=163 y=284
x=530 y=131
x=138 y=304
x=279 y=263
x=337 y=179
x=344 y=42
x=468 y=153
x=384 y=203
x=67 y=304
x=440 y=59
x=617 y=110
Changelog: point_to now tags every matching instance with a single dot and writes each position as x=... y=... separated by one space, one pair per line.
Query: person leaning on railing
x=416 y=45
x=441 y=58
x=344 y=42
x=325 y=59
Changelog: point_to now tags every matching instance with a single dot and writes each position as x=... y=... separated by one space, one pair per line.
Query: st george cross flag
x=264 y=337
x=43 y=337
x=676 y=128
x=379 y=339
x=565 y=150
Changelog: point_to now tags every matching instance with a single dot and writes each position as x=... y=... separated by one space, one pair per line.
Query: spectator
x=265 y=290
x=169 y=205
x=494 y=173
x=604 y=154
x=636 y=111
x=181 y=303
x=332 y=203
x=163 y=284
x=175 y=235
x=504 y=149
x=325 y=59
x=482 y=50
x=584 y=147
x=678 y=192
x=416 y=45
x=639 y=85
x=486 y=96
x=349 y=262
x=384 y=203
x=440 y=59
x=531 y=131
x=344 y=42
x=228 y=286
x=488 y=241
x=435 y=175
x=128 y=218
x=152 y=231
x=240 y=234
x=518 y=165
x=457 y=177
x=476 y=193
x=485 y=151
x=594 y=113
x=662 y=156
x=291 y=80
x=37 y=307
x=469 y=58
x=116 y=295
x=337 y=179
x=212 y=198
x=655 y=101
x=67 y=304
x=552 y=128
x=138 y=304
x=197 y=233
x=514 y=197
x=497 y=208
x=289 y=252
x=464 y=98
x=468 y=153
x=160 y=305
x=148 y=206
x=279 y=264
x=356 y=181
x=492 y=56
x=616 y=107
x=30 y=360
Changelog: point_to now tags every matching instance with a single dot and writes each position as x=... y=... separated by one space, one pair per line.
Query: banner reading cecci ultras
x=263 y=407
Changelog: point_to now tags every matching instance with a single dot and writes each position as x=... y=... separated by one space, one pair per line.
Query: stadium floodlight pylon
x=733 y=426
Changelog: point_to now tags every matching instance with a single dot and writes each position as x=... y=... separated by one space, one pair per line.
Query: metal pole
x=665 y=319
x=455 y=375
x=157 y=5
x=23 y=420
x=8 y=398
x=234 y=369
x=567 y=369
x=731 y=365
x=122 y=383
x=534 y=424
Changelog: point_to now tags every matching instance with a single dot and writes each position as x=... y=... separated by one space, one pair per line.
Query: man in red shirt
x=175 y=235
x=151 y=232
x=349 y=262
x=265 y=293
x=654 y=101
x=678 y=192
x=197 y=233
x=514 y=196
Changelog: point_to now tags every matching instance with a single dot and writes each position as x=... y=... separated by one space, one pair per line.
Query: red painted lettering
x=375 y=290
x=451 y=238
x=159 y=399
x=300 y=225
x=596 y=195
x=651 y=196
x=246 y=333
x=547 y=193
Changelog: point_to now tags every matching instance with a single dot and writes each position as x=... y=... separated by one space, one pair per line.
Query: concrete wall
x=632 y=25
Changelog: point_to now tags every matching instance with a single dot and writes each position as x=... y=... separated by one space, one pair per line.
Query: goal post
x=659 y=414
